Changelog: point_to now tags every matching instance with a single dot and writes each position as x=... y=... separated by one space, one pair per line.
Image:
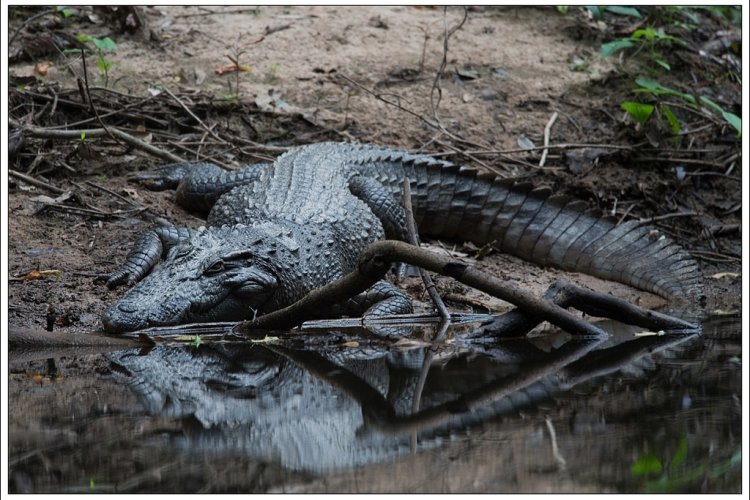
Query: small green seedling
x=103 y=46
x=641 y=112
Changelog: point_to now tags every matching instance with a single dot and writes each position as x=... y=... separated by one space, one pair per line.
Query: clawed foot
x=115 y=279
x=162 y=178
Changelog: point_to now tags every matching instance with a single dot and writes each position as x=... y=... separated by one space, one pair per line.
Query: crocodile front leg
x=147 y=251
x=382 y=298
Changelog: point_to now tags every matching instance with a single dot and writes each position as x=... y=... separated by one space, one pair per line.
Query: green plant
x=103 y=46
x=650 y=39
x=597 y=12
x=65 y=11
x=642 y=112
x=674 y=475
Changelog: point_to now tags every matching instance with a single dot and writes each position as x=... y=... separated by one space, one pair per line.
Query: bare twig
x=547 y=130
x=436 y=83
x=555 y=450
x=200 y=122
x=99 y=117
x=389 y=102
x=36 y=182
x=411 y=229
x=685 y=161
x=116 y=195
x=538 y=148
x=471 y=157
x=651 y=220
x=92 y=106
x=99 y=132
x=715 y=256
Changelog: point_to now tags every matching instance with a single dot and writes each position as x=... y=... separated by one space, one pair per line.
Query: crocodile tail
x=531 y=223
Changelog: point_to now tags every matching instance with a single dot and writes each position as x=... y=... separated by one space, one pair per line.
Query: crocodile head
x=220 y=274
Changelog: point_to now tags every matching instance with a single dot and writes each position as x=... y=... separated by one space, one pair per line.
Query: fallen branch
x=46 y=133
x=29 y=337
x=36 y=182
x=376 y=260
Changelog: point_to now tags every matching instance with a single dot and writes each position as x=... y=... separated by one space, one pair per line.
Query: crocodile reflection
x=323 y=411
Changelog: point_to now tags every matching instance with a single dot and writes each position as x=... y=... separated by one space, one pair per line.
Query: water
x=552 y=414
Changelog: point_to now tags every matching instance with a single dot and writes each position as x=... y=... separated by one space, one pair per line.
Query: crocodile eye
x=180 y=251
x=215 y=268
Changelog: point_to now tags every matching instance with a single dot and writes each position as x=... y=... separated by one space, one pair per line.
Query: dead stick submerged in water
x=31 y=338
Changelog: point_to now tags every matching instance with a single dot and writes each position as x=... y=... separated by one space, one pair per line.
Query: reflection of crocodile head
x=253 y=399
x=321 y=412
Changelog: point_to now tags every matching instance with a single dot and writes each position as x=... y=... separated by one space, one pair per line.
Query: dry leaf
x=41 y=69
x=36 y=274
x=231 y=68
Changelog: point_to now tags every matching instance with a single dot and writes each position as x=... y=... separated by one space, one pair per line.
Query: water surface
x=555 y=413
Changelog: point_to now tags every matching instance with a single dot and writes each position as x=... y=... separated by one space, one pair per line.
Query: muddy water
x=553 y=414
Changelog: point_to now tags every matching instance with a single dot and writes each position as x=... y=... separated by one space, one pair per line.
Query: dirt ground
x=314 y=73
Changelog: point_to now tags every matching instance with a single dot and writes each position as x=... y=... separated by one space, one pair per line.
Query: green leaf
x=610 y=48
x=595 y=11
x=83 y=135
x=647 y=33
x=655 y=88
x=680 y=454
x=734 y=120
x=84 y=38
x=103 y=65
x=674 y=123
x=639 y=111
x=647 y=464
x=562 y=9
x=105 y=44
x=624 y=11
x=711 y=104
x=663 y=64
x=687 y=12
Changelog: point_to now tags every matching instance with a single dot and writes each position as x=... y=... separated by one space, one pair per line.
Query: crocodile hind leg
x=147 y=251
x=382 y=203
x=388 y=210
x=198 y=184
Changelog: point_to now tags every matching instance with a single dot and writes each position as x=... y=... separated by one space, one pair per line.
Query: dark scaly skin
x=276 y=232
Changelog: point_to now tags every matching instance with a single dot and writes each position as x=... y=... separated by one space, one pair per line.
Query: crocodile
x=277 y=231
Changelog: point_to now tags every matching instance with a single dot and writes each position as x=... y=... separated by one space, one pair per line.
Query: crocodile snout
x=122 y=317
